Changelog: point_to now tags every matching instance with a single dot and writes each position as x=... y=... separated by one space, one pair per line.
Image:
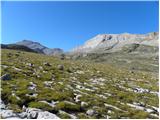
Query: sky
x=69 y=24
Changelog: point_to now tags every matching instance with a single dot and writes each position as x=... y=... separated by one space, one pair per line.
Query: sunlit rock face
x=114 y=42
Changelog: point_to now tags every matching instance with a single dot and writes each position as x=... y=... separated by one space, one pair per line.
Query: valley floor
x=36 y=86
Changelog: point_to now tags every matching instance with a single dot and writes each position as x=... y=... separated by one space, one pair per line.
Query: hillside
x=40 y=48
x=115 y=42
x=16 y=47
x=136 y=52
x=39 y=86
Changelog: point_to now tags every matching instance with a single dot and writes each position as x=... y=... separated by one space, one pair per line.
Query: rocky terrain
x=111 y=76
x=137 y=52
x=40 y=86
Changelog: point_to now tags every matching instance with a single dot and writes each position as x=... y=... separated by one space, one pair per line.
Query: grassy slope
x=66 y=84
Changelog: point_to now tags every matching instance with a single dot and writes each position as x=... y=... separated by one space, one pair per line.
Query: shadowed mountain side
x=16 y=47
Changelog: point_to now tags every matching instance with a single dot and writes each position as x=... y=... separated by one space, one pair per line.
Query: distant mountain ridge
x=115 y=42
x=40 y=48
x=102 y=43
x=16 y=47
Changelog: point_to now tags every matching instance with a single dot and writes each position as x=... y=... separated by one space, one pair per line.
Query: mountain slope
x=74 y=89
x=131 y=51
x=16 y=47
x=40 y=48
x=115 y=42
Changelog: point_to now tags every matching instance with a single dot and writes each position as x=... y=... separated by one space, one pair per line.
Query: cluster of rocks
x=28 y=113
x=32 y=86
x=77 y=100
x=48 y=84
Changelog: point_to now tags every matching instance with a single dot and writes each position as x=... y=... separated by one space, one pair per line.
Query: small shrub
x=41 y=105
x=15 y=108
x=82 y=116
x=64 y=116
x=68 y=107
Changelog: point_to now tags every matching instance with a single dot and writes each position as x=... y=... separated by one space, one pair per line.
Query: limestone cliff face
x=115 y=42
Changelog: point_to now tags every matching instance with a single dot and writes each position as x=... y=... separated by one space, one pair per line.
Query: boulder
x=90 y=112
x=47 y=115
x=40 y=67
x=32 y=113
x=77 y=98
x=22 y=115
x=60 y=67
x=46 y=64
x=48 y=83
x=53 y=77
x=7 y=114
x=32 y=86
x=6 y=77
x=84 y=104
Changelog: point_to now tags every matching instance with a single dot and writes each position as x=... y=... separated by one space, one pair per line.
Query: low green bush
x=42 y=106
x=68 y=106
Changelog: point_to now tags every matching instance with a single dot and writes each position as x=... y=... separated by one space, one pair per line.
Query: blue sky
x=67 y=24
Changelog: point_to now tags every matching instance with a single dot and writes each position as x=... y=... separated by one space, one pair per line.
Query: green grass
x=64 y=86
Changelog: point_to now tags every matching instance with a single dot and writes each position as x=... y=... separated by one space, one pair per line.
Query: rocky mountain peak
x=40 y=48
x=116 y=42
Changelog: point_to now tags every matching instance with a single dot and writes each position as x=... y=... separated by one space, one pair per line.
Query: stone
x=109 y=111
x=32 y=113
x=7 y=113
x=6 y=77
x=2 y=106
x=40 y=67
x=84 y=104
x=46 y=64
x=60 y=67
x=30 y=64
x=90 y=112
x=48 y=83
x=47 y=115
x=77 y=98
x=22 y=115
x=53 y=77
x=32 y=95
x=24 y=108
x=79 y=72
x=32 y=86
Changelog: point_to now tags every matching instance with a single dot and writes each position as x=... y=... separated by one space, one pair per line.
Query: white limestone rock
x=90 y=112
x=7 y=114
x=47 y=115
